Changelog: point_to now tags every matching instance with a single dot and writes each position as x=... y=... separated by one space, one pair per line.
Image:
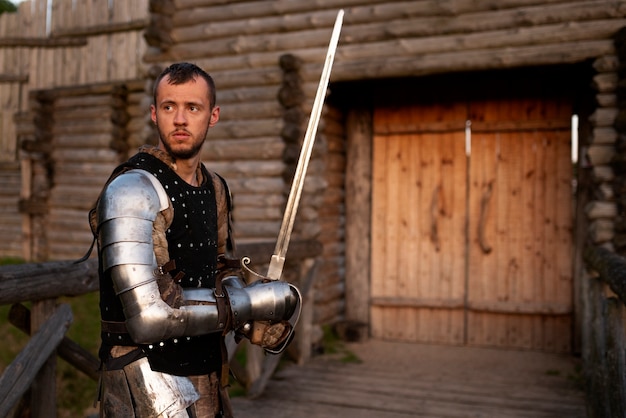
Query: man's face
x=183 y=116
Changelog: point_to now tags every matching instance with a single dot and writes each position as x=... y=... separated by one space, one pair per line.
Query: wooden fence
x=604 y=334
x=42 y=284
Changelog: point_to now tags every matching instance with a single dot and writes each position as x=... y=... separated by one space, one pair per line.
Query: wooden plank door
x=520 y=207
x=473 y=250
x=418 y=230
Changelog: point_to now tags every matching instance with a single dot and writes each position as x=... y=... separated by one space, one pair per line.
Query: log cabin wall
x=78 y=135
x=46 y=47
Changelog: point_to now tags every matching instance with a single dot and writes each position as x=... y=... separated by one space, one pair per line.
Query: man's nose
x=179 y=117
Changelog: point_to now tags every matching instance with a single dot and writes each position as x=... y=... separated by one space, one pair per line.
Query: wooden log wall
x=618 y=136
x=10 y=219
x=81 y=134
x=47 y=45
x=330 y=286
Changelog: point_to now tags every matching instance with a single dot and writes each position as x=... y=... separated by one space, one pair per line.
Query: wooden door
x=520 y=211
x=473 y=248
x=418 y=231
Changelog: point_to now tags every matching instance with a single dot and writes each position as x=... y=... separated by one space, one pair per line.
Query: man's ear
x=215 y=116
x=153 y=113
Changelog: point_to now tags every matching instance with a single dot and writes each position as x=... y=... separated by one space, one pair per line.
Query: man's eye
x=167 y=107
x=193 y=108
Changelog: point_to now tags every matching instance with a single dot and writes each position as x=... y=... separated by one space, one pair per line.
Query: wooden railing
x=604 y=342
x=43 y=283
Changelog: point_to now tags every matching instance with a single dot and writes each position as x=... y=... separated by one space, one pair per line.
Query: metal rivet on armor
x=221 y=325
x=119 y=337
x=150 y=347
x=175 y=340
x=161 y=344
x=180 y=245
x=188 y=338
x=108 y=334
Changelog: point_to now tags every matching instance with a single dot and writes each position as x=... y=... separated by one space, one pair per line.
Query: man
x=169 y=290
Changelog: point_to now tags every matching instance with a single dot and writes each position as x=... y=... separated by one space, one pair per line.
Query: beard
x=189 y=151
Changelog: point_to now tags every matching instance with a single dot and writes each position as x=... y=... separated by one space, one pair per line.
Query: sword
x=277 y=261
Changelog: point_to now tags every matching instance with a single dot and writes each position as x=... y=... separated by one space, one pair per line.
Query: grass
x=332 y=344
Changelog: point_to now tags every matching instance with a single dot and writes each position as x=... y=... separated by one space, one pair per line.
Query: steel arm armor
x=128 y=208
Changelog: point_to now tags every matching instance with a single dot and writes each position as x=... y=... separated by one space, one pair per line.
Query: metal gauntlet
x=265 y=312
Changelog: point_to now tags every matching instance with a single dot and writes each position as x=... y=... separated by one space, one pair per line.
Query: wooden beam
x=526 y=308
x=62 y=34
x=13 y=78
x=405 y=302
x=610 y=266
x=68 y=350
x=498 y=58
x=19 y=375
x=41 y=42
x=358 y=214
x=47 y=280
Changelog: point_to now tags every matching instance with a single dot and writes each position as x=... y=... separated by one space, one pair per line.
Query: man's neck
x=188 y=170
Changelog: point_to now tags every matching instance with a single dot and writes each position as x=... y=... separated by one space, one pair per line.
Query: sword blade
x=277 y=261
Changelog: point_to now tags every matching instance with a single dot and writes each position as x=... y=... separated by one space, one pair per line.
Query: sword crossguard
x=250 y=275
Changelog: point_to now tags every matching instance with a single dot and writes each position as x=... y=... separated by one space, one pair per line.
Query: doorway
x=472 y=217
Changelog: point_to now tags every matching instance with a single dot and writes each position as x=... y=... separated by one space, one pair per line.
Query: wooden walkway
x=399 y=380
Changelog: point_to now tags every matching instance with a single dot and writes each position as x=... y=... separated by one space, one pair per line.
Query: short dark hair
x=183 y=72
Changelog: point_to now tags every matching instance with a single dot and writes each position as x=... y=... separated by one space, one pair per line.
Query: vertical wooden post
x=616 y=368
x=25 y=194
x=358 y=214
x=596 y=363
x=43 y=390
